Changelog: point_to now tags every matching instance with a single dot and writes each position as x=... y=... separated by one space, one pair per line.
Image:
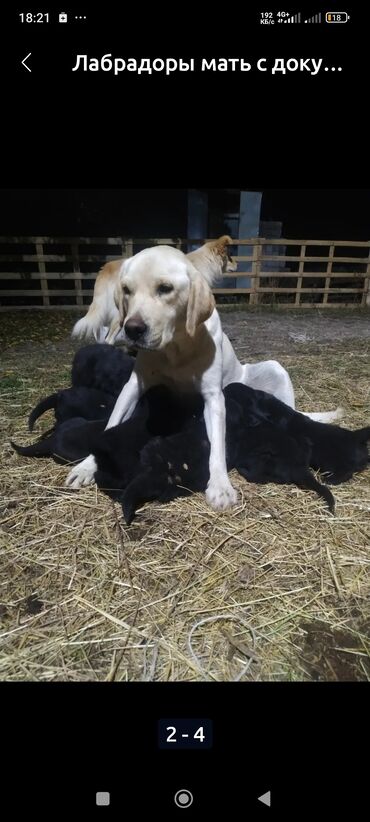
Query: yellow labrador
x=167 y=310
x=102 y=319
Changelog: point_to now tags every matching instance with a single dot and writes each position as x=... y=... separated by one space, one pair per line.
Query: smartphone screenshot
x=185 y=411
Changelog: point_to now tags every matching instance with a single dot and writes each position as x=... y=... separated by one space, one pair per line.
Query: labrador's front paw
x=221 y=495
x=82 y=474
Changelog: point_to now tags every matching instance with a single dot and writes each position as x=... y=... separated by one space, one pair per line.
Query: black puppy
x=178 y=465
x=102 y=369
x=70 y=441
x=102 y=366
x=117 y=450
x=266 y=441
x=335 y=451
x=89 y=403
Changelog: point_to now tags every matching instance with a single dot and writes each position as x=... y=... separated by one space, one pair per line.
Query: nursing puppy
x=158 y=413
x=336 y=452
x=167 y=311
x=98 y=374
x=102 y=367
x=102 y=320
x=69 y=442
x=89 y=403
x=140 y=460
x=179 y=465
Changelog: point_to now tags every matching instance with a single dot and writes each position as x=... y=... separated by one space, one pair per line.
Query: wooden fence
x=59 y=272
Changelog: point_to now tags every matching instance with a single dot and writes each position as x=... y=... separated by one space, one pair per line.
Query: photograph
x=185 y=447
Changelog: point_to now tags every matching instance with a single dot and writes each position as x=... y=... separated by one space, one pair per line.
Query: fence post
x=328 y=272
x=127 y=249
x=42 y=270
x=300 y=272
x=256 y=266
x=77 y=272
x=366 y=295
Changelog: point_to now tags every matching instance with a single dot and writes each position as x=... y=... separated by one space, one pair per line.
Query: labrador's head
x=159 y=292
x=213 y=259
x=220 y=248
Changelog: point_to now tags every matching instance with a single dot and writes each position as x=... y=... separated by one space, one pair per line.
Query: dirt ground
x=82 y=597
x=282 y=332
x=258 y=331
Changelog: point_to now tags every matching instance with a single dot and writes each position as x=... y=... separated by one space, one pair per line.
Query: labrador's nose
x=135 y=328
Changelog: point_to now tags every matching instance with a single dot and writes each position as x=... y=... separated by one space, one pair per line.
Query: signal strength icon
x=295 y=19
x=315 y=19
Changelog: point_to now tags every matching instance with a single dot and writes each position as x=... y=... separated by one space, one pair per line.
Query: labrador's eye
x=126 y=290
x=165 y=289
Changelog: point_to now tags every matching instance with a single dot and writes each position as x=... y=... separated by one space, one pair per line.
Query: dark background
x=90 y=128
x=318 y=213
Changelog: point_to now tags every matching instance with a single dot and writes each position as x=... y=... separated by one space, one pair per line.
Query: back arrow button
x=24 y=61
x=265 y=798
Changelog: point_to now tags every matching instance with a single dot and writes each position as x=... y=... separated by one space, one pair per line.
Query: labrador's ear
x=118 y=294
x=201 y=302
x=221 y=244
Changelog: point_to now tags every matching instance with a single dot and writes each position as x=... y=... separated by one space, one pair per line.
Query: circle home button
x=183 y=798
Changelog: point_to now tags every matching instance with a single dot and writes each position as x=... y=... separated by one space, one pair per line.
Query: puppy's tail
x=145 y=487
x=44 y=405
x=325 y=416
x=312 y=484
x=43 y=448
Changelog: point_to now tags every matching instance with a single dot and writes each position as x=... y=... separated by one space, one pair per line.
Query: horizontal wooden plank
x=183 y=240
x=101 y=259
x=277 y=306
x=41 y=308
x=93 y=240
x=281 y=241
x=276 y=275
x=96 y=240
x=282 y=275
x=57 y=258
x=52 y=292
x=309 y=290
x=233 y=290
x=320 y=305
x=299 y=242
x=313 y=259
x=49 y=275
x=63 y=240
x=261 y=290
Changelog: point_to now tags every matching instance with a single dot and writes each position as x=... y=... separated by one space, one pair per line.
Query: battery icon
x=336 y=17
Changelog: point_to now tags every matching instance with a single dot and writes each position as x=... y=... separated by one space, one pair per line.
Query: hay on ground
x=275 y=589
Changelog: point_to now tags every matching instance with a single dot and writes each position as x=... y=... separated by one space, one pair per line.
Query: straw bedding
x=275 y=589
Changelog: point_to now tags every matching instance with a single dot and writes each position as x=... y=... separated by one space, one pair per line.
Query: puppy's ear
x=118 y=294
x=201 y=301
